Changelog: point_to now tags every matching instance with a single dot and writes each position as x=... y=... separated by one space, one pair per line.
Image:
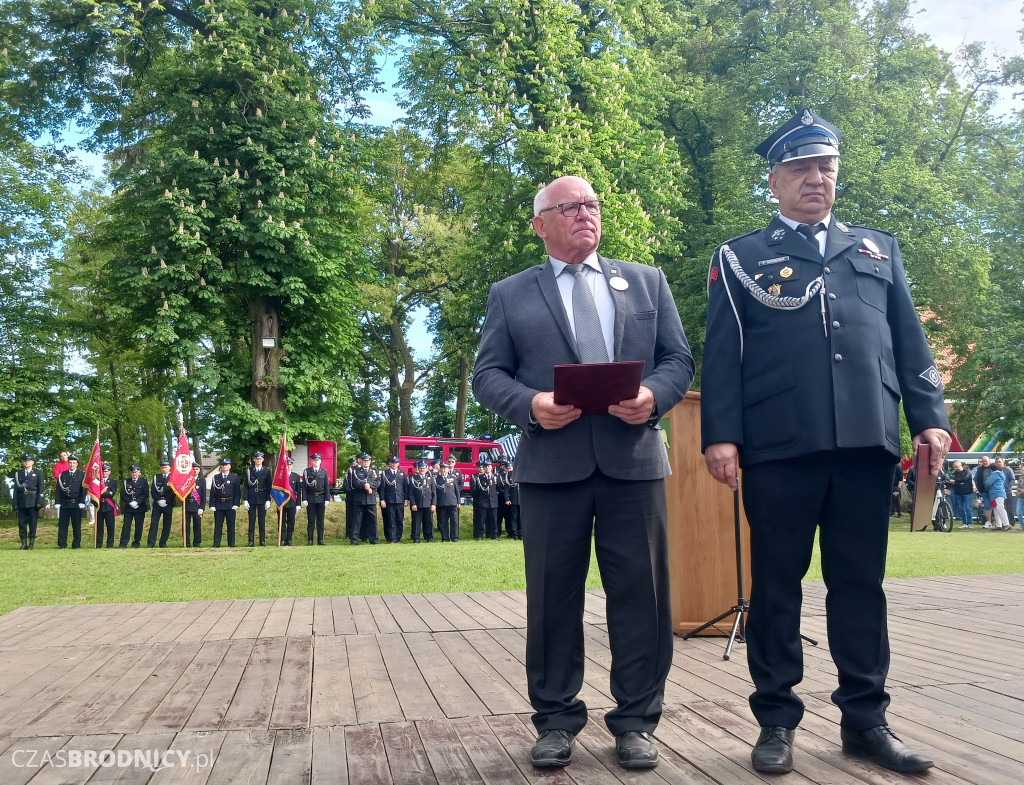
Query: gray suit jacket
x=527 y=333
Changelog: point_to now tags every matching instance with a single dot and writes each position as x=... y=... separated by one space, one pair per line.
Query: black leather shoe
x=553 y=749
x=635 y=750
x=884 y=747
x=773 y=752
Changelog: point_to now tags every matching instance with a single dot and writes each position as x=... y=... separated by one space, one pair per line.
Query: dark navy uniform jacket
x=225 y=491
x=135 y=491
x=28 y=489
x=447 y=490
x=161 y=489
x=257 y=484
x=421 y=490
x=775 y=384
x=484 y=488
x=191 y=505
x=392 y=486
x=71 y=487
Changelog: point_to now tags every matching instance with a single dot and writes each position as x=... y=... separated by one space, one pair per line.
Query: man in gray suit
x=592 y=478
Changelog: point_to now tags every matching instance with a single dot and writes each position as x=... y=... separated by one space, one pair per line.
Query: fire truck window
x=462 y=454
x=422 y=452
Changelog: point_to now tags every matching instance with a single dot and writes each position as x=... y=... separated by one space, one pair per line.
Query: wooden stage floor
x=431 y=689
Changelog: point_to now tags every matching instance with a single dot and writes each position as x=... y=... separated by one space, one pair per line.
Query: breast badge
x=775 y=290
x=786 y=272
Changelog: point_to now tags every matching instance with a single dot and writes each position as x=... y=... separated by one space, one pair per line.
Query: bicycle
x=942 y=510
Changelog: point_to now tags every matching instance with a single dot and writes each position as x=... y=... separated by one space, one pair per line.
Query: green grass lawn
x=47 y=576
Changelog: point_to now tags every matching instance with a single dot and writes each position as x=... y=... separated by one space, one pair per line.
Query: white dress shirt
x=822 y=237
x=602 y=296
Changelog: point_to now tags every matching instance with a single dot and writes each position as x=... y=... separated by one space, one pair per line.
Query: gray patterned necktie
x=589 y=335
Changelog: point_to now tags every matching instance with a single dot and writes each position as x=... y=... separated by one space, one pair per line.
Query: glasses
x=572 y=209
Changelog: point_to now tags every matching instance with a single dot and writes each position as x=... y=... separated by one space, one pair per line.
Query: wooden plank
x=276 y=624
x=227 y=624
x=407 y=760
x=323 y=616
x=206 y=621
x=178 y=628
x=251 y=704
x=493 y=691
x=482 y=618
x=382 y=615
x=433 y=620
x=291 y=706
x=254 y=619
x=402 y=612
x=454 y=696
x=492 y=762
x=411 y=689
x=176 y=707
x=517 y=737
x=153 y=744
x=130 y=619
x=362 y=616
x=22 y=760
x=244 y=758
x=292 y=762
x=199 y=750
x=331 y=701
x=457 y=618
x=367 y=760
x=375 y=698
x=330 y=756
x=58 y=774
x=216 y=699
x=448 y=759
x=301 y=621
x=344 y=620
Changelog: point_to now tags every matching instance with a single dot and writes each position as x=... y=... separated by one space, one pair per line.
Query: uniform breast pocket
x=646 y=315
x=874 y=277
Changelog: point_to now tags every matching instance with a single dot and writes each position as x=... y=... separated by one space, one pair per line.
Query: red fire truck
x=439 y=448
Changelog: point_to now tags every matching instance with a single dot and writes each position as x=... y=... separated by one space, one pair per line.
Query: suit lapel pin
x=618 y=283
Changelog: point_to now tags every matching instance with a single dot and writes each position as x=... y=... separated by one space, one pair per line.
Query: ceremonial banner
x=182 y=480
x=94 y=474
x=281 y=490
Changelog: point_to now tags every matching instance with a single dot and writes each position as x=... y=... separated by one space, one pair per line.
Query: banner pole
x=280 y=524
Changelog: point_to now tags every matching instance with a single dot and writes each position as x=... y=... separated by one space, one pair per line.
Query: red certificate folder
x=593 y=387
x=924 y=489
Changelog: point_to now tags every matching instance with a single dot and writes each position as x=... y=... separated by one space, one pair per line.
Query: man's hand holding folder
x=594 y=388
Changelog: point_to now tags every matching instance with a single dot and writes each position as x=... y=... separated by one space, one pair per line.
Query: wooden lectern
x=701 y=529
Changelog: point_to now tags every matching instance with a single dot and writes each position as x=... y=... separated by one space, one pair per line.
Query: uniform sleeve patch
x=714 y=274
x=931 y=375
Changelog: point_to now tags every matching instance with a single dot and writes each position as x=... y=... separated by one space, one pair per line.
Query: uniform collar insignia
x=843 y=227
x=778 y=234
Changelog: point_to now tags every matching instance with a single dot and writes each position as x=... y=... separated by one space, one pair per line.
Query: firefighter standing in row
x=28 y=498
x=257 y=497
x=316 y=495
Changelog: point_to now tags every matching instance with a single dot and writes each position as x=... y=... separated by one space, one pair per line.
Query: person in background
x=134 y=503
x=106 y=511
x=995 y=485
x=963 y=494
x=164 y=500
x=447 y=502
x=61 y=465
x=421 y=502
x=981 y=473
x=291 y=505
x=195 y=504
x=28 y=498
x=258 y=480
x=70 y=501
x=393 y=501
x=1008 y=483
x=316 y=495
x=896 y=506
x=225 y=499
x=512 y=508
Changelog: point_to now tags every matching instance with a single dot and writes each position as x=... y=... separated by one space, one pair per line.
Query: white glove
x=133 y=505
x=235 y=508
x=326 y=502
x=56 y=506
x=267 y=505
x=246 y=503
x=200 y=512
x=305 y=503
x=162 y=502
x=81 y=506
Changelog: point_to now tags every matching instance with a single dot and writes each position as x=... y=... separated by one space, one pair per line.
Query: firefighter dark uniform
x=163 y=507
x=421 y=497
x=28 y=498
x=501 y=479
x=351 y=512
x=70 y=497
x=392 y=501
x=514 y=530
x=459 y=481
x=484 y=487
x=195 y=505
x=225 y=496
x=315 y=498
x=257 y=499
x=134 y=502
x=291 y=505
x=366 y=481
x=806 y=358
x=106 y=510
x=446 y=499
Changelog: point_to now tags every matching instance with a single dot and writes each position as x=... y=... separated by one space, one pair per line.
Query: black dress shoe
x=635 y=750
x=884 y=747
x=553 y=749
x=773 y=752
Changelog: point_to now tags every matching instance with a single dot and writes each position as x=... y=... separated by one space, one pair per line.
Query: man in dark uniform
x=291 y=505
x=134 y=502
x=348 y=487
x=106 y=509
x=28 y=498
x=459 y=479
x=366 y=481
x=258 y=480
x=514 y=530
x=316 y=495
x=195 y=505
x=447 y=503
x=484 y=487
x=393 y=501
x=812 y=337
x=70 y=500
x=501 y=480
x=225 y=496
x=421 y=502
x=163 y=506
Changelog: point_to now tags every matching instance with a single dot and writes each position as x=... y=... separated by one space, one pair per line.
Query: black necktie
x=811 y=233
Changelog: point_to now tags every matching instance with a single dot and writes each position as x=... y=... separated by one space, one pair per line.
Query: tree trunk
x=267 y=396
x=407 y=385
x=117 y=425
x=462 y=400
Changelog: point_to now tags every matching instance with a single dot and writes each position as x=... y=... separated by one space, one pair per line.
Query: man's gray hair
x=540 y=200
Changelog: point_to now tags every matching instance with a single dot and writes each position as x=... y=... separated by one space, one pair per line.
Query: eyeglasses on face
x=572 y=209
